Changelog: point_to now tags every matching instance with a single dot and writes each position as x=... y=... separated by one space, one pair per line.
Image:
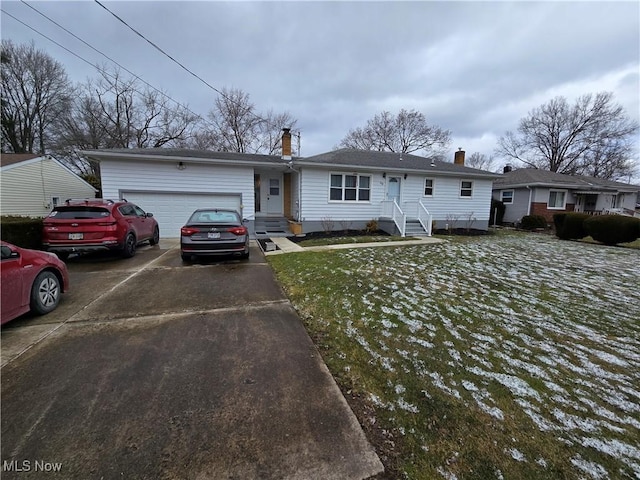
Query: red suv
x=80 y=226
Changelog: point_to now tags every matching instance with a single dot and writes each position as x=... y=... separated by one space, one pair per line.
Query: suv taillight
x=188 y=231
x=238 y=231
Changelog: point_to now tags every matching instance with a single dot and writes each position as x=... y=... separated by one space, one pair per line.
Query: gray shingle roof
x=336 y=159
x=391 y=161
x=531 y=176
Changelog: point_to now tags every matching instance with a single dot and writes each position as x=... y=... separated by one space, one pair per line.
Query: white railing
x=620 y=211
x=424 y=217
x=391 y=209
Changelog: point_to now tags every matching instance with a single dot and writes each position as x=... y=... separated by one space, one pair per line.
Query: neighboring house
x=529 y=191
x=339 y=190
x=31 y=185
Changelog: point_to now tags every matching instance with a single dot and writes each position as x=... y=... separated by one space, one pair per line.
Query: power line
x=221 y=93
x=109 y=58
x=100 y=70
x=161 y=50
x=106 y=73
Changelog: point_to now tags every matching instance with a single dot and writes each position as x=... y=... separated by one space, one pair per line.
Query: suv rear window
x=79 y=213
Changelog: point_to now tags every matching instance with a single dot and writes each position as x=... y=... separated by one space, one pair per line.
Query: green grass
x=635 y=244
x=506 y=356
x=315 y=242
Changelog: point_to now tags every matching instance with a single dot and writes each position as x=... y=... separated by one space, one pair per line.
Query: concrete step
x=271 y=225
x=414 y=228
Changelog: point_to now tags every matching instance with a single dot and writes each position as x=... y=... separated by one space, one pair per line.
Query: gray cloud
x=473 y=67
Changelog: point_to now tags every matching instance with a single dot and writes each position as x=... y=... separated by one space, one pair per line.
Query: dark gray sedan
x=214 y=231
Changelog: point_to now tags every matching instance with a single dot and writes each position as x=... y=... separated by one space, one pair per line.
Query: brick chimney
x=507 y=168
x=286 y=144
x=458 y=158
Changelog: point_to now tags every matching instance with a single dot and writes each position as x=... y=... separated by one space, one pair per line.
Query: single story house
x=343 y=189
x=33 y=184
x=529 y=191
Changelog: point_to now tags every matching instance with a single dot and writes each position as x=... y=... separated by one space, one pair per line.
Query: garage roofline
x=266 y=159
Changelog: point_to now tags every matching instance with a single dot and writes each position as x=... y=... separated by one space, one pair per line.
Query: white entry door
x=393 y=189
x=274 y=195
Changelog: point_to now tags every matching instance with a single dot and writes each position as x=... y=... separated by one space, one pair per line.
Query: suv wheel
x=129 y=249
x=156 y=237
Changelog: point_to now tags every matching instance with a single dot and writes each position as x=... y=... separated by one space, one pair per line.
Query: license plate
x=75 y=236
x=213 y=235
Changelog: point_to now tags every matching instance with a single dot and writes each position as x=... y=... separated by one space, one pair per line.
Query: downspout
x=530 y=195
x=299 y=172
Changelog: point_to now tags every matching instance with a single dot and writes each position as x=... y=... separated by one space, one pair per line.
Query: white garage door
x=172 y=210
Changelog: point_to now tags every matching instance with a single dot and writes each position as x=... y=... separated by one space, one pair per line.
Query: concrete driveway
x=154 y=369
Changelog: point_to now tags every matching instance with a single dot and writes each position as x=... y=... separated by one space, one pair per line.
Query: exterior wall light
x=181 y=166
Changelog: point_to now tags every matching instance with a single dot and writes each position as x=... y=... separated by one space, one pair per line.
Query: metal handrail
x=424 y=217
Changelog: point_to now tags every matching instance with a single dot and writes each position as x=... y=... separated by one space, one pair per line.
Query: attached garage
x=172 y=210
x=172 y=182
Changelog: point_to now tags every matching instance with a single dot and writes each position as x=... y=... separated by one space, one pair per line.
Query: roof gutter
x=96 y=155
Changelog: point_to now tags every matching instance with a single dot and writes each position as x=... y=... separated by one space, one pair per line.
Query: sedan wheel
x=129 y=249
x=45 y=293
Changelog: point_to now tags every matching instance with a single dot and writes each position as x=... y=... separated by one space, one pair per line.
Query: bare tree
x=480 y=161
x=593 y=137
x=236 y=126
x=271 y=131
x=406 y=132
x=35 y=92
x=114 y=112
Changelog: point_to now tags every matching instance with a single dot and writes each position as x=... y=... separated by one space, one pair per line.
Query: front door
x=274 y=195
x=393 y=189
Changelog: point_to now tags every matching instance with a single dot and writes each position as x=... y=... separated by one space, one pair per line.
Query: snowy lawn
x=505 y=356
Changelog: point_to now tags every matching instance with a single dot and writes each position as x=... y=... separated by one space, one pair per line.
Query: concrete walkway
x=287 y=246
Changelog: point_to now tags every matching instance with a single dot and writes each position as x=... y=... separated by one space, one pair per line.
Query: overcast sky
x=475 y=68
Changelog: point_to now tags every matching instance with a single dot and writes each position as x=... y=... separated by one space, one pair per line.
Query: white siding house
x=31 y=185
x=344 y=189
x=394 y=189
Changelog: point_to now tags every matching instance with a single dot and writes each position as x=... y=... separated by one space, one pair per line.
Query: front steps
x=271 y=227
x=413 y=228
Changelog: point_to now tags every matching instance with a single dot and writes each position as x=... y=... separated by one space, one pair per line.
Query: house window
x=350 y=188
x=274 y=186
x=55 y=201
x=428 y=187
x=466 y=188
x=556 y=199
x=506 y=196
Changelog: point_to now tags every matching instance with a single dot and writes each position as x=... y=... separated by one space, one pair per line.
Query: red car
x=31 y=280
x=80 y=226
